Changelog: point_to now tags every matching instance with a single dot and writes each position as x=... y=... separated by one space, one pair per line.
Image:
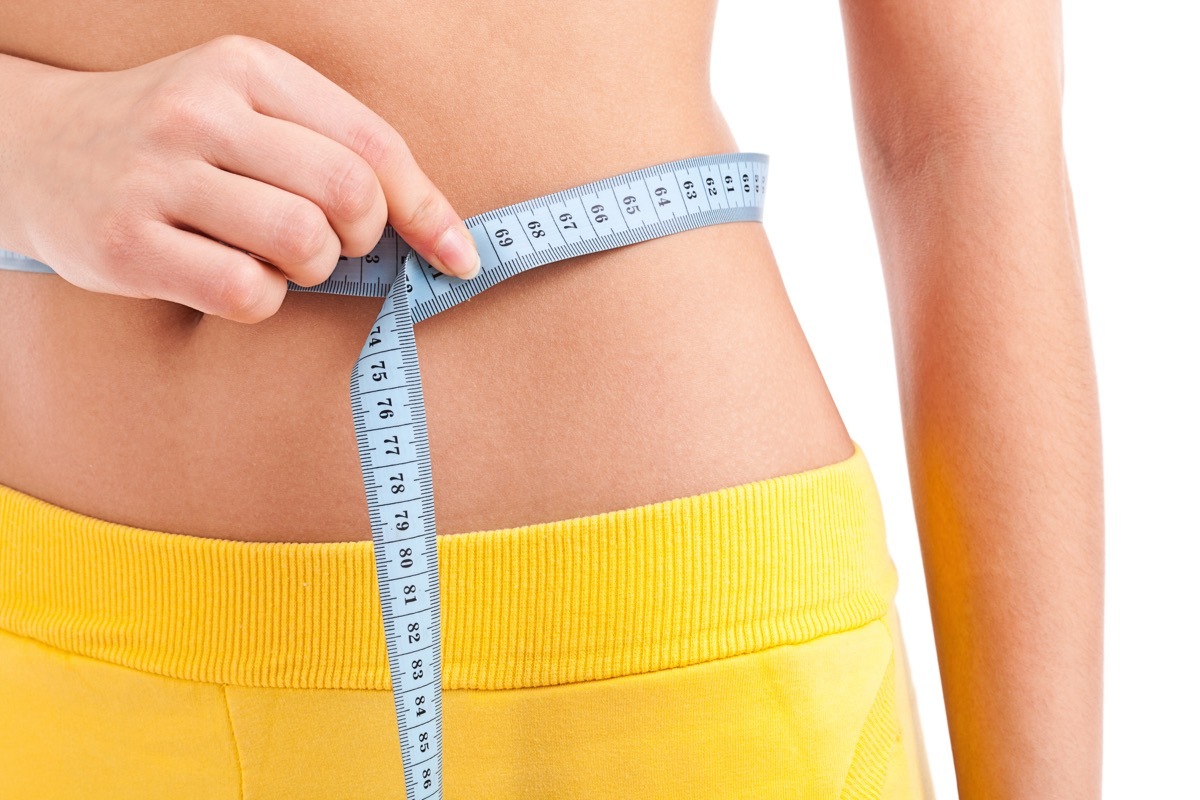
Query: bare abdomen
x=658 y=370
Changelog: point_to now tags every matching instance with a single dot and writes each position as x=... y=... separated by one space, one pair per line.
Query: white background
x=1132 y=100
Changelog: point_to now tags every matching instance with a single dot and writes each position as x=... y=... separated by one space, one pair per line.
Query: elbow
x=955 y=139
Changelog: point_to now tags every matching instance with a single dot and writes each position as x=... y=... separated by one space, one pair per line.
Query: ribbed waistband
x=777 y=561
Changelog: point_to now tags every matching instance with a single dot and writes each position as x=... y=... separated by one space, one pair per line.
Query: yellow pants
x=740 y=643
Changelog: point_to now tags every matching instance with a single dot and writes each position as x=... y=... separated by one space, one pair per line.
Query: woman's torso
x=653 y=371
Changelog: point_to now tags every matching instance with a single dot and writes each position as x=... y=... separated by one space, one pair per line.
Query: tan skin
x=147 y=387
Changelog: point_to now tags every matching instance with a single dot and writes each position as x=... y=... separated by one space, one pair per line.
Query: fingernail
x=457 y=252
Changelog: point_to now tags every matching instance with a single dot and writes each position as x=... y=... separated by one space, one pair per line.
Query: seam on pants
x=880 y=735
x=662 y=670
x=878 y=739
x=237 y=751
x=893 y=667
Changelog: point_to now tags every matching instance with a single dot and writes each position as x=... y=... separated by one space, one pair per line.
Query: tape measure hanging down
x=389 y=409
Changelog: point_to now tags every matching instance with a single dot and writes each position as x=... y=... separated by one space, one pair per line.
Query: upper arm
x=952 y=74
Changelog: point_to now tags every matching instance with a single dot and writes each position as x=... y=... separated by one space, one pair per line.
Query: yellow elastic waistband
x=776 y=561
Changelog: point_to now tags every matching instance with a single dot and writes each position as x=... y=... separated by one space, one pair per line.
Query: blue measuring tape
x=389 y=408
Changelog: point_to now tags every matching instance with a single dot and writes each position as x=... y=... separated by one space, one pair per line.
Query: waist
x=653 y=371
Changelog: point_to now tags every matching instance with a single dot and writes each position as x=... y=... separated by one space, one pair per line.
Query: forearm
x=1001 y=419
x=23 y=96
x=958 y=110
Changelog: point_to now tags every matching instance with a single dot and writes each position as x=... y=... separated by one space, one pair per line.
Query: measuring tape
x=389 y=409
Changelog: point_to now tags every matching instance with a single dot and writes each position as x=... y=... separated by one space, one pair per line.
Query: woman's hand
x=150 y=182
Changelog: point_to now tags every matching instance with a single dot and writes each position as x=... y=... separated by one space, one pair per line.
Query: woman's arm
x=20 y=82
x=958 y=112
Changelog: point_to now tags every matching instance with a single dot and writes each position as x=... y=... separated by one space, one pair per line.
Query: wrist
x=33 y=96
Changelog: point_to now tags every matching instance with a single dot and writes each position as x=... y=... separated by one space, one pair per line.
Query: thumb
x=421 y=214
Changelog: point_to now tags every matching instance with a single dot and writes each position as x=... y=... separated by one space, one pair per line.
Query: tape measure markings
x=389 y=420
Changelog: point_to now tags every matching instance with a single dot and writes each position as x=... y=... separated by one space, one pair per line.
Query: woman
x=183 y=539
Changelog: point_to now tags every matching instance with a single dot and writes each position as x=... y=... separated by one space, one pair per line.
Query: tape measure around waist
x=388 y=406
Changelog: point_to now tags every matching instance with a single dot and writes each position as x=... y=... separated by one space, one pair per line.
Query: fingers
x=301 y=161
x=289 y=231
x=280 y=85
x=188 y=268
